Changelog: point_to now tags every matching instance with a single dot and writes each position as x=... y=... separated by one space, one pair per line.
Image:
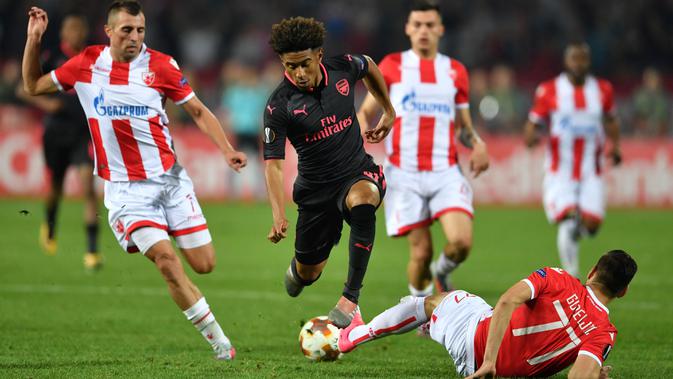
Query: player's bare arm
x=530 y=136
x=368 y=110
x=611 y=125
x=376 y=86
x=502 y=314
x=586 y=367
x=34 y=82
x=470 y=138
x=273 y=172
x=207 y=122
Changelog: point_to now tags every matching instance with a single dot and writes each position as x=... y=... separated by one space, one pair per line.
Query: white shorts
x=453 y=324
x=166 y=202
x=415 y=199
x=562 y=195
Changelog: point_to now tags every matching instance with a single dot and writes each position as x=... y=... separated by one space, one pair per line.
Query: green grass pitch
x=58 y=321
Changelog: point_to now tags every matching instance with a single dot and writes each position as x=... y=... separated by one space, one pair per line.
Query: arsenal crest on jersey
x=343 y=87
x=148 y=77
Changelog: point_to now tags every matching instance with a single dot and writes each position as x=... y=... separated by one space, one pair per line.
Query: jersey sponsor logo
x=118 y=110
x=148 y=77
x=343 y=87
x=330 y=127
x=410 y=104
x=269 y=135
x=566 y=124
x=541 y=272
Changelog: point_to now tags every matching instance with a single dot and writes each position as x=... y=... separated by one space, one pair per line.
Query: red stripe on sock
x=202 y=318
x=395 y=327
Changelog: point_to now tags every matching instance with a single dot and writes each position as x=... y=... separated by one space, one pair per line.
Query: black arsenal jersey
x=321 y=124
x=69 y=121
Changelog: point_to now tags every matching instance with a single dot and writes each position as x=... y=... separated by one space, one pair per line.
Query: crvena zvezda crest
x=148 y=77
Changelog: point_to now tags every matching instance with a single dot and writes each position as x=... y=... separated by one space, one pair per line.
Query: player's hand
x=278 y=230
x=382 y=129
x=479 y=159
x=531 y=140
x=37 y=22
x=487 y=370
x=605 y=372
x=236 y=160
x=616 y=155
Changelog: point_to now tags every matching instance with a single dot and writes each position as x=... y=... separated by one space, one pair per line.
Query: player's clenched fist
x=278 y=230
x=37 y=22
x=236 y=160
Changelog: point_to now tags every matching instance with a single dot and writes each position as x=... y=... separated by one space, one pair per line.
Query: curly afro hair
x=296 y=34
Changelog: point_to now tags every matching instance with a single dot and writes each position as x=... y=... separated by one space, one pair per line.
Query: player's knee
x=365 y=193
x=592 y=226
x=204 y=266
x=421 y=253
x=432 y=302
x=459 y=248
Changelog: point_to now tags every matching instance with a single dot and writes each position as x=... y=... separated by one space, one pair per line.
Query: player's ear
x=622 y=292
x=320 y=54
x=108 y=30
x=591 y=273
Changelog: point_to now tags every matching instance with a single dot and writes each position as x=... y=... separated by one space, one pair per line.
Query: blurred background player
x=539 y=326
x=579 y=109
x=337 y=181
x=66 y=143
x=122 y=89
x=429 y=91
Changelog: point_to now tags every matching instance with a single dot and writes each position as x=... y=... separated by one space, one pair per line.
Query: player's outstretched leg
x=405 y=316
x=420 y=257
x=363 y=228
x=185 y=294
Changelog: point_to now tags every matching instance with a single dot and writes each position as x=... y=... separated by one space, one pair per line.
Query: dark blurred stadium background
x=508 y=47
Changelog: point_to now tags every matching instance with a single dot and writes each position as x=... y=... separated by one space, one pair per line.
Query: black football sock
x=52 y=210
x=363 y=230
x=92 y=237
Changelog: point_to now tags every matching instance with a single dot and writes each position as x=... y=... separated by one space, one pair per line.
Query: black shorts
x=60 y=152
x=322 y=211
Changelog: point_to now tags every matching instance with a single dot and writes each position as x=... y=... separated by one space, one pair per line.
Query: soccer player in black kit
x=66 y=143
x=314 y=108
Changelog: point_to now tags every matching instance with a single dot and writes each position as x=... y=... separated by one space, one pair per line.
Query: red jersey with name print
x=562 y=320
x=425 y=94
x=575 y=117
x=124 y=106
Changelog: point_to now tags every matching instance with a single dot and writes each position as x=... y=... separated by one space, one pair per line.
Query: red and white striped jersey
x=575 y=115
x=425 y=94
x=563 y=319
x=124 y=105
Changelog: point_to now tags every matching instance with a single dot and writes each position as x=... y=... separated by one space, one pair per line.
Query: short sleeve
x=537 y=281
x=66 y=75
x=607 y=97
x=598 y=347
x=275 y=130
x=174 y=84
x=357 y=65
x=462 y=82
x=539 y=113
